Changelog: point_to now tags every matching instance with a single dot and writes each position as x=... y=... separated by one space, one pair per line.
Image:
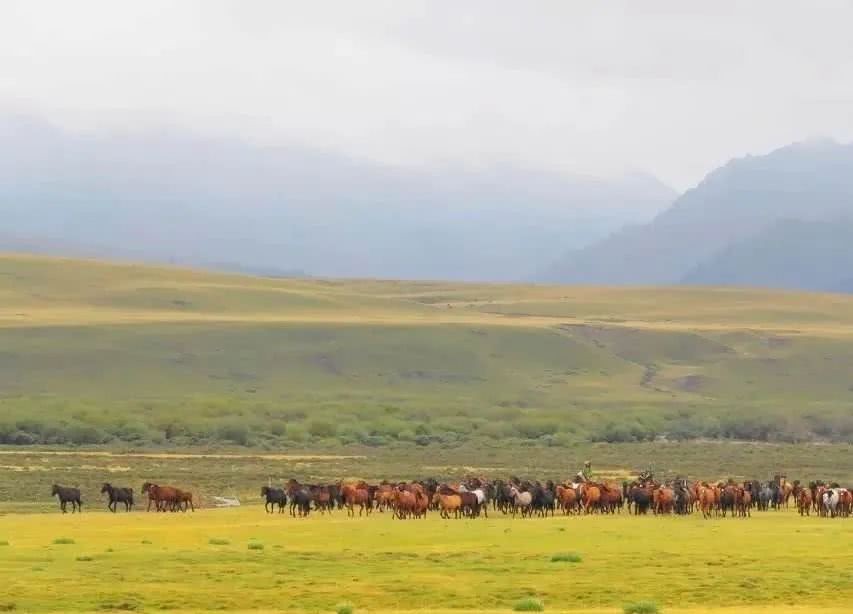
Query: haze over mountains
x=175 y=196
x=782 y=220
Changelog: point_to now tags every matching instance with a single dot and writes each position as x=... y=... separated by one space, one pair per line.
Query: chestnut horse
x=163 y=497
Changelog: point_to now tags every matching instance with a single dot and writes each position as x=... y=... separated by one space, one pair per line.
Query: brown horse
x=743 y=502
x=664 y=500
x=804 y=501
x=184 y=500
x=590 y=497
x=707 y=500
x=611 y=498
x=383 y=497
x=164 y=498
x=405 y=503
x=448 y=503
x=568 y=499
x=356 y=495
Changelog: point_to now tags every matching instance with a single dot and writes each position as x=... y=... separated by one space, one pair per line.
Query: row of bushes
x=385 y=430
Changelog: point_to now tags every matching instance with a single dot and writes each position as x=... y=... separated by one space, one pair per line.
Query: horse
x=611 y=498
x=383 y=498
x=300 y=499
x=67 y=495
x=743 y=501
x=765 y=497
x=707 y=500
x=567 y=498
x=804 y=502
x=322 y=499
x=521 y=500
x=447 y=501
x=590 y=497
x=163 y=497
x=830 y=500
x=118 y=495
x=482 y=501
x=354 y=495
x=183 y=501
x=664 y=499
x=728 y=499
x=273 y=497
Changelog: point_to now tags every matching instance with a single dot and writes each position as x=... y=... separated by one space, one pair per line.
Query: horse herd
x=474 y=497
x=163 y=498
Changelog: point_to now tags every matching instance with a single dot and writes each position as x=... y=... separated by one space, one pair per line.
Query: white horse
x=520 y=500
x=830 y=501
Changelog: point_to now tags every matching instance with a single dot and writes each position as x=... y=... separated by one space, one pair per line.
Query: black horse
x=300 y=501
x=118 y=495
x=274 y=496
x=67 y=495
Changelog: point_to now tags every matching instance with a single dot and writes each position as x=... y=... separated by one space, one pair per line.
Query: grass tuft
x=344 y=608
x=641 y=607
x=8 y=607
x=146 y=542
x=217 y=541
x=4 y=542
x=85 y=558
x=529 y=604
x=256 y=546
x=566 y=557
x=63 y=541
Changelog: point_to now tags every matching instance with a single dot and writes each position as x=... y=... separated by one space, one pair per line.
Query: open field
x=26 y=474
x=204 y=562
x=96 y=353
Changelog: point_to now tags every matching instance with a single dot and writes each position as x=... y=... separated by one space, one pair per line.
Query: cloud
x=589 y=87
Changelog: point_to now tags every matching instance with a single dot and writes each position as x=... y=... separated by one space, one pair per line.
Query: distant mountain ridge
x=779 y=220
x=172 y=196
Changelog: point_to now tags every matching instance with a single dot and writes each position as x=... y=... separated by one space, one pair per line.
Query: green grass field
x=207 y=562
x=97 y=353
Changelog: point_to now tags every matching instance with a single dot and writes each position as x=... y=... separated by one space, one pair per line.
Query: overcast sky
x=673 y=88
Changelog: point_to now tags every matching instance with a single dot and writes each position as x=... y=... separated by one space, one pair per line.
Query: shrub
x=529 y=604
x=344 y=608
x=61 y=541
x=83 y=434
x=533 y=428
x=322 y=429
x=641 y=607
x=256 y=546
x=566 y=557
x=235 y=432
x=216 y=541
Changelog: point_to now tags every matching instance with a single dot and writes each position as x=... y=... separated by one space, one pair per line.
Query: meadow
x=123 y=355
x=245 y=560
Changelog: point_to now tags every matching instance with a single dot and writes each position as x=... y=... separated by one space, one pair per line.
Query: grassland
x=204 y=562
x=98 y=353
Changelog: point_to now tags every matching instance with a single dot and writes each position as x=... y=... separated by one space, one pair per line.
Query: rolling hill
x=94 y=352
x=779 y=220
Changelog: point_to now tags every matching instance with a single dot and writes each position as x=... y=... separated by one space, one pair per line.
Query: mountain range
x=174 y=196
x=784 y=219
x=781 y=220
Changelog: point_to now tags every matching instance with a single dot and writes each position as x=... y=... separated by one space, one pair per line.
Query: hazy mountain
x=789 y=254
x=750 y=222
x=175 y=196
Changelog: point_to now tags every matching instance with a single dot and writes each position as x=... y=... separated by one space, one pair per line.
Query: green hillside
x=107 y=353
